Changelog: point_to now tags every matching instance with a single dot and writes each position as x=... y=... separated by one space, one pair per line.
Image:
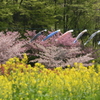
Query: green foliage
x=5 y=15
x=38 y=14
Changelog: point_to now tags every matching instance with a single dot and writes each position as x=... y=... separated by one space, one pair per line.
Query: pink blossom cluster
x=66 y=41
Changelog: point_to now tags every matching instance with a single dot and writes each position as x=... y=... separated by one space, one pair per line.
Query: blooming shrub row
x=14 y=45
x=39 y=83
x=52 y=52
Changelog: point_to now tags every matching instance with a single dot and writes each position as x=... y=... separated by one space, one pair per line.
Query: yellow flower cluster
x=39 y=83
x=15 y=65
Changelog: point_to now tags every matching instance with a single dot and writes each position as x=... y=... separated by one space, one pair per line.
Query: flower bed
x=24 y=82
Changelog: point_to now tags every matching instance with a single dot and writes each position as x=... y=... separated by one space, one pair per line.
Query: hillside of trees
x=22 y=15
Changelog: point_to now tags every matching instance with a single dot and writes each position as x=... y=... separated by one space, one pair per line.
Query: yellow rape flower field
x=20 y=81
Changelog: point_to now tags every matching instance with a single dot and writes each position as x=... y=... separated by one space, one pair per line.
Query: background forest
x=22 y=15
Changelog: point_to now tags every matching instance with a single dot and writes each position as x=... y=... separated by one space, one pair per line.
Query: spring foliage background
x=22 y=15
x=49 y=70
